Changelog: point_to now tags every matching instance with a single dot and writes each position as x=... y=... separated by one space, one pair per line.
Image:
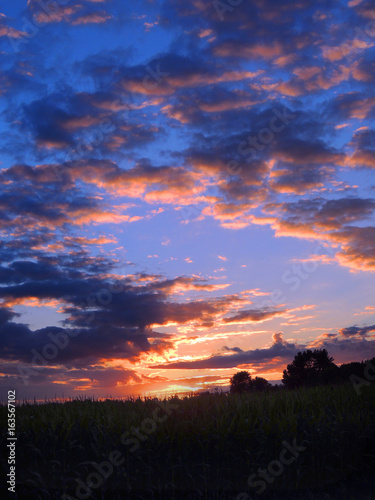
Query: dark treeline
x=309 y=368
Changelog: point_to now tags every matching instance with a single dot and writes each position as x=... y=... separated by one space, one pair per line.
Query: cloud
x=254 y=315
x=170 y=72
x=78 y=124
x=279 y=349
x=282 y=352
x=364 y=150
x=255 y=50
x=75 y=13
x=357 y=248
x=332 y=221
x=364 y=70
x=92 y=18
x=8 y=31
x=356 y=331
x=104 y=319
x=349 y=344
x=353 y=104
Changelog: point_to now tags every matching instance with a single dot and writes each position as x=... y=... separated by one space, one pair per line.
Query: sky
x=187 y=191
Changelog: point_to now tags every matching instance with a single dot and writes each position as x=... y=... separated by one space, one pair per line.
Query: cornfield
x=202 y=447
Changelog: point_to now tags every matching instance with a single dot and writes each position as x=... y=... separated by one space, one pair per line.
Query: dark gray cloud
x=253 y=315
x=357 y=331
x=280 y=349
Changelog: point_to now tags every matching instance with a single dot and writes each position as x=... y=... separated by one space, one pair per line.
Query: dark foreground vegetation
x=309 y=369
x=217 y=446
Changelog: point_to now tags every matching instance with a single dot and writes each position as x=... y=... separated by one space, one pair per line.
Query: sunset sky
x=187 y=191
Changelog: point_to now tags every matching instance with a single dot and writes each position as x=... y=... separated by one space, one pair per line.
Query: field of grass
x=200 y=447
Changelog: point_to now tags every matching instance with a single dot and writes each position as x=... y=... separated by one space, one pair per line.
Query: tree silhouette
x=259 y=384
x=242 y=382
x=309 y=368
